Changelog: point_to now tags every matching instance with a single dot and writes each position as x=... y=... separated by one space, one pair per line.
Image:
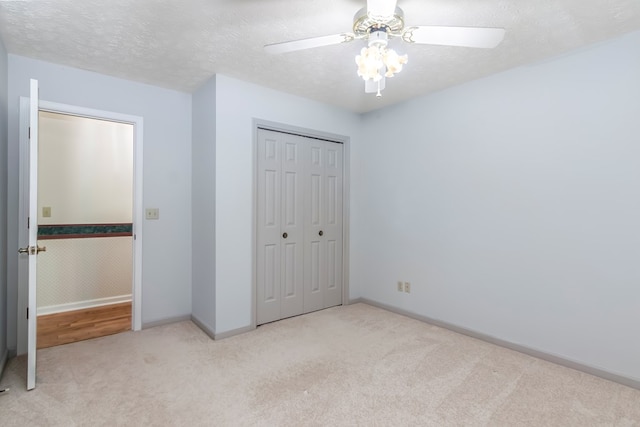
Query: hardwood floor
x=71 y=326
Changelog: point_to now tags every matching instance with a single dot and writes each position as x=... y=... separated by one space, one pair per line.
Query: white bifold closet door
x=299 y=225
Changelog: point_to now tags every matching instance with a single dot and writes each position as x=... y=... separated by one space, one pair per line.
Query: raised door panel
x=315 y=217
x=292 y=225
x=332 y=228
x=268 y=251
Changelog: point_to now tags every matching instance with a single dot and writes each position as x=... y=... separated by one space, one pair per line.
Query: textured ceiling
x=180 y=44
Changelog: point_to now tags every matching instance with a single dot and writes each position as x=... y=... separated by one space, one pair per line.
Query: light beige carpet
x=354 y=365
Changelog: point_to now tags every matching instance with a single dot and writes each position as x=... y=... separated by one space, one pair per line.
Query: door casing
x=346 y=141
x=138 y=211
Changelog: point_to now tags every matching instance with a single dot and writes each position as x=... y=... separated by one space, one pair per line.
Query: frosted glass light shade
x=376 y=61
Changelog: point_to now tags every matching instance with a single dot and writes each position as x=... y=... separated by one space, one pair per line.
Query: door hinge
x=28 y=222
x=27 y=312
x=29 y=132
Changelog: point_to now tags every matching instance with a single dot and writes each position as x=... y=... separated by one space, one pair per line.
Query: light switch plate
x=46 y=211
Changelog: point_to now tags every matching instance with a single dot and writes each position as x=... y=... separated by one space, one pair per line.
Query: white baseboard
x=233 y=332
x=167 y=321
x=559 y=360
x=205 y=328
x=79 y=305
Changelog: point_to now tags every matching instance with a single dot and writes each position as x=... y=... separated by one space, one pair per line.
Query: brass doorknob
x=320 y=233
x=33 y=250
x=285 y=235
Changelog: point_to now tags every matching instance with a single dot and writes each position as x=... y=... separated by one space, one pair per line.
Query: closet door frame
x=346 y=142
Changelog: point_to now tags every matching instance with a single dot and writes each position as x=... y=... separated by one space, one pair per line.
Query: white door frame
x=138 y=212
x=346 y=141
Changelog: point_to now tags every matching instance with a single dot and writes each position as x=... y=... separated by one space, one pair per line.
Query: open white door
x=32 y=249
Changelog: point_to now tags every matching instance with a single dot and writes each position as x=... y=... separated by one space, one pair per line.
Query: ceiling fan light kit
x=377 y=62
x=382 y=20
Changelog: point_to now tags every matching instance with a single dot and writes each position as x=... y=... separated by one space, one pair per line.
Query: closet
x=299 y=257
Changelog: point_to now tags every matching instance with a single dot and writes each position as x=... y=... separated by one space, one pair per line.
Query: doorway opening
x=89 y=218
x=85 y=218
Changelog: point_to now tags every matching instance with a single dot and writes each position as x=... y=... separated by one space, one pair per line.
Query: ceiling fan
x=381 y=20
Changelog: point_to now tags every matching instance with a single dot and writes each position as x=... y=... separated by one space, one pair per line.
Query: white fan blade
x=454 y=36
x=292 y=46
x=381 y=8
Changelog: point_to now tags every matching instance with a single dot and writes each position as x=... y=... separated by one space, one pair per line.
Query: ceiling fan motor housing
x=365 y=24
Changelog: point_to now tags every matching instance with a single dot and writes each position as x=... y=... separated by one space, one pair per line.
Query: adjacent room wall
x=512 y=205
x=85 y=176
x=203 y=206
x=4 y=88
x=85 y=170
x=166 y=276
x=237 y=104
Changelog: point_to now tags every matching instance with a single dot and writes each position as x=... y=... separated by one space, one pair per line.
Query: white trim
x=138 y=218
x=138 y=211
x=346 y=214
x=80 y=305
x=254 y=225
x=346 y=179
x=231 y=333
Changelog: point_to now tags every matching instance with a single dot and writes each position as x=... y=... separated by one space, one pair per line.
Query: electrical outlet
x=400 y=286
x=152 y=213
x=407 y=287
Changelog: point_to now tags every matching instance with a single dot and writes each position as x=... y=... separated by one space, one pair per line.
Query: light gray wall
x=166 y=275
x=512 y=205
x=237 y=104
x=204 y=205
x=4 y=82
